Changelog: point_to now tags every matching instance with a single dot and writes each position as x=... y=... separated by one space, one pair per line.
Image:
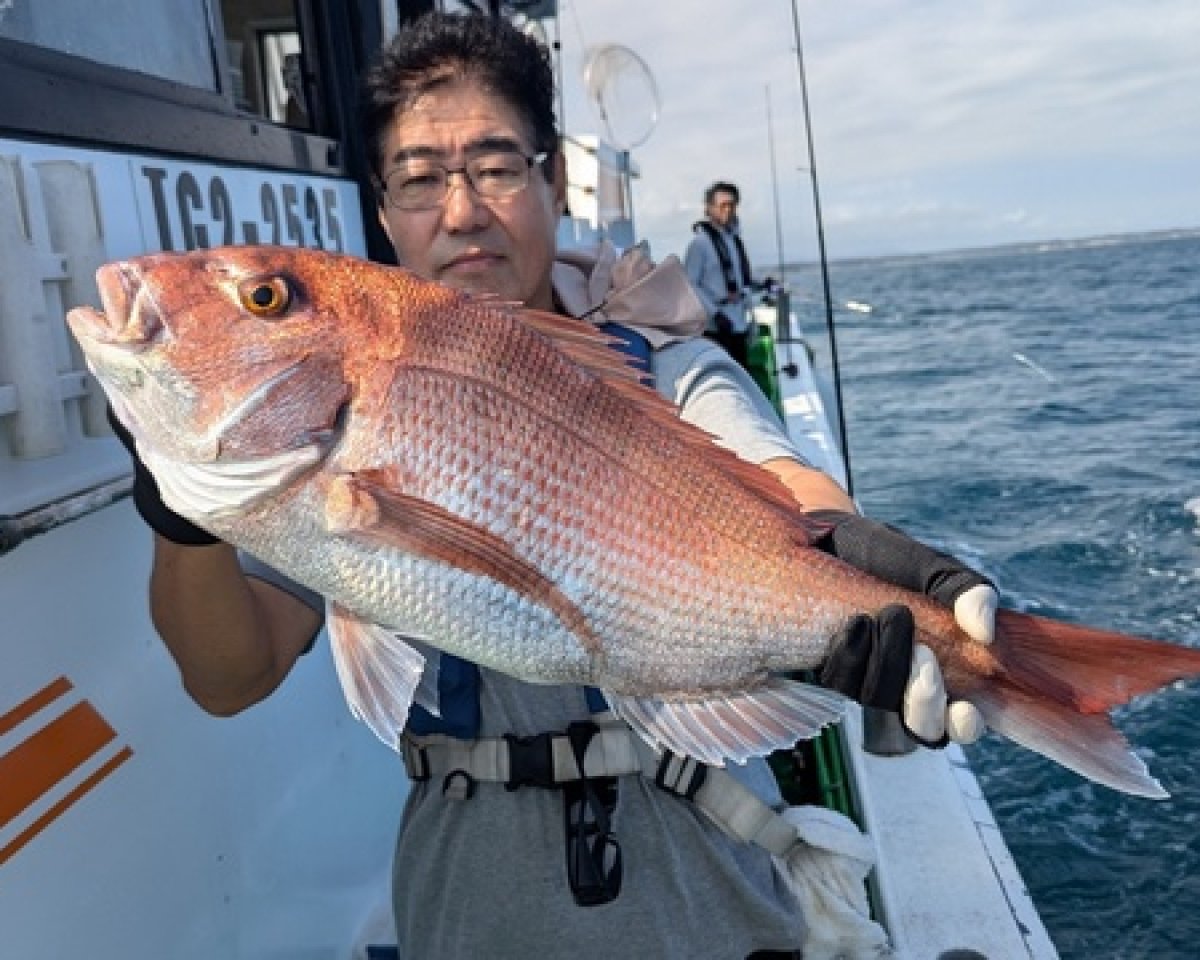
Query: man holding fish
x=528 y=861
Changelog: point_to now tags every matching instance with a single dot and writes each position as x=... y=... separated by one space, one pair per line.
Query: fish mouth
x=117 y=340
x=123 y=293
x=117 y=365
x=129 y=320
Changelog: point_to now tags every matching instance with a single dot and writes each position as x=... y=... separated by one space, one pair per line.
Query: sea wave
x=1077 y=496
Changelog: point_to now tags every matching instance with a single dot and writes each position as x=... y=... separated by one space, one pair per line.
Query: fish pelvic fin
x=1059 y=683
x=732 y=725
x=380 y=672
x=363 y=505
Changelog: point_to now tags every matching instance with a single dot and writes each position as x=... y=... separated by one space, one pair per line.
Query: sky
x=937 y=124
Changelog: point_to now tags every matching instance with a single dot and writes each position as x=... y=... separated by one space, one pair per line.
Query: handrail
x=15 y=529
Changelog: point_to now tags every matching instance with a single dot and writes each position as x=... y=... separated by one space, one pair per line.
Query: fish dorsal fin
x=592 y=349
x=585 y=344
x=732 y=725
x=364 y=505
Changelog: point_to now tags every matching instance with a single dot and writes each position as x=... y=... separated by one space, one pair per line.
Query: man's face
x=505 y=245
x=722 y=208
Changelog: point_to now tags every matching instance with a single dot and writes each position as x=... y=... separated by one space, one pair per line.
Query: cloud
x=936 y=123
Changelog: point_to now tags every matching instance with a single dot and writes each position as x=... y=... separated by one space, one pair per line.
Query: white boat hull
x=147 y=828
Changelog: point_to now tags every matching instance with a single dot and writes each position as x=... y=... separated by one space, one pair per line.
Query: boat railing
x=52 y=413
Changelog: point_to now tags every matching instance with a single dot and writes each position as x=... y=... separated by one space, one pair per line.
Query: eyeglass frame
x=536 y=159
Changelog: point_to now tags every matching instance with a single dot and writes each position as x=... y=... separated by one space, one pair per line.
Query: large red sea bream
x=498 y=483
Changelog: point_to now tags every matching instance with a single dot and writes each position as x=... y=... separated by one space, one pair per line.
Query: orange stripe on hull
x=44 y=758
x=8 y=851
x=23 y=711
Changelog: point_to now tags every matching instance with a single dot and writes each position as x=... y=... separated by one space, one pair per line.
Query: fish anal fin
x=379 y=671
x=363 y=505
x=732 y=725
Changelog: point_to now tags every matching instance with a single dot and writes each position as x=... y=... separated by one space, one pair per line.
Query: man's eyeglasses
x=422 y=184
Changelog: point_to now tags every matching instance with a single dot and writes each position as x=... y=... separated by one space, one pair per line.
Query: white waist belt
x=548 y=761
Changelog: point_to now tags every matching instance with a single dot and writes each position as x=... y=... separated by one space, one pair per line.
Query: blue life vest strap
x=722 y=250
x=458 y=701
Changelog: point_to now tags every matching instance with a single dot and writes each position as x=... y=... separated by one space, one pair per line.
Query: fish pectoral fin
x=223 y=488
x=735 y=725
x=362 y=505
x=380 y=672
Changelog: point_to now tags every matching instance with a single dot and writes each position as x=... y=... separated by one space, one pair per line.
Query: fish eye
x=265 y=298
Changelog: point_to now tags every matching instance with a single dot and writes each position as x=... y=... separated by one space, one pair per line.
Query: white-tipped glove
x=926 y=712
x=875 y=660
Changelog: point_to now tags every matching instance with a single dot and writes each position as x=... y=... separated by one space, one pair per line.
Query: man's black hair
x=721 y=186
x=439 y=48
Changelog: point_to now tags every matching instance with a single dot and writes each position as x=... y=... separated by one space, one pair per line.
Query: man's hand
x=875 y=660
x=149 y=503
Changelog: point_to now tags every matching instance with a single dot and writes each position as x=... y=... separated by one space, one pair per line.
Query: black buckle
x=420 y=759
x=689 y=779
x=530 y=762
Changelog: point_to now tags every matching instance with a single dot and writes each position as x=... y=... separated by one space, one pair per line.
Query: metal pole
x=783 y=322
x=774 y=184
x=812 y=169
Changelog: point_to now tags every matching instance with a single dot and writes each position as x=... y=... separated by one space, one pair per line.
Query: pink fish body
x=497 y=483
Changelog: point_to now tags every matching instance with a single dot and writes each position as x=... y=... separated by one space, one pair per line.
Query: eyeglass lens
x=423 y=183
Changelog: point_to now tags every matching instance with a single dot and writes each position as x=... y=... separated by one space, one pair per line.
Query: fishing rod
x=812 y=169
x=789 y=368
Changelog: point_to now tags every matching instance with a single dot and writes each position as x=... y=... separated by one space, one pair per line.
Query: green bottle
x=760 y=359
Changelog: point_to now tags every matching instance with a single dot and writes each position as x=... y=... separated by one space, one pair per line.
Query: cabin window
x=263 y=68
x=266 y=60
x=169 y=40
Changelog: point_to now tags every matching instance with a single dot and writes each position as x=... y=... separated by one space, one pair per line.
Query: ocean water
x=1036 y=411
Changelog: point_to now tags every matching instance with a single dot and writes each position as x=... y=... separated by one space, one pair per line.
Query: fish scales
x=599 y=448
x=658 y=589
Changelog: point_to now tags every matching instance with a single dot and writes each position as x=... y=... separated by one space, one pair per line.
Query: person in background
x=501 y=853
x=717 y=265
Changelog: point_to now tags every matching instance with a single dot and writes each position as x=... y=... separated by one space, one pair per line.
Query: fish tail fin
x=1059 y=683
